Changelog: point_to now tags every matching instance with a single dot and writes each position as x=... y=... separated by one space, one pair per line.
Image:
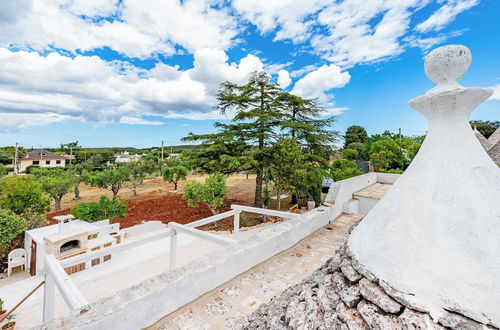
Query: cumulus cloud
x=136 y=29
x=89 y=89
x=496 y=93
x=315 y=84
x=284 y=79
x=445 y=15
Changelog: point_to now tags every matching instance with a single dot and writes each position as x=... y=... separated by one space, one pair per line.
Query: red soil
x=166 y=208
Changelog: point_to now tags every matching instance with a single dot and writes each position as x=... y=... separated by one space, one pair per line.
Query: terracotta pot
x=2 y=314
x=9 y=325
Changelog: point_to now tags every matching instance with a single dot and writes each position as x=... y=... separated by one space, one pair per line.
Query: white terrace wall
x=341 y=191
x=147 y=302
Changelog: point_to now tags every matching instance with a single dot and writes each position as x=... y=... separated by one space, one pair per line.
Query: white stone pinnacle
x=436 y=233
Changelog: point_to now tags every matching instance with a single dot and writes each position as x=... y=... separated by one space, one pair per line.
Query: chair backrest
x=17 y=253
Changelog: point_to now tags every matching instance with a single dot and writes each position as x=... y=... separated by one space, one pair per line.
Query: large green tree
x=263 y=114
x=11 y=226
x=355 y=134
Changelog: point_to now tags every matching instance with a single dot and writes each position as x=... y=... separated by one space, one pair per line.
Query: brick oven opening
x=70 y=245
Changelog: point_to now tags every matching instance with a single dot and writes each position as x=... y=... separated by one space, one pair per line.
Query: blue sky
x=124 y=73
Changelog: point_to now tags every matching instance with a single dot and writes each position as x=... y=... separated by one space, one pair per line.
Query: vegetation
x=174 y=172
x=485 y=127
x=343 y=169
x=355 y=134
x=138 y=172
x=212 y=193
x=111 y=179
x=56 y=182
x=264 y=114
x=105 y=208
x=11 y=226
x=3 y=170
x=23 y=194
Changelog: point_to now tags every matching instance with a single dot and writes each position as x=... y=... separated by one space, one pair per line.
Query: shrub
x=350 y=154
x=22 y=194
x=212 y=192
x=395 y=171
x=11 y=226
x=343 y=169
x=106 y=208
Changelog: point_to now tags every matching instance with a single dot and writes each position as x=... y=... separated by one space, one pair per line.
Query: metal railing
x=56 y=276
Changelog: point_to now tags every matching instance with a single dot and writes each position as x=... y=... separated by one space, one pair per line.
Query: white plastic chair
x=17 y=257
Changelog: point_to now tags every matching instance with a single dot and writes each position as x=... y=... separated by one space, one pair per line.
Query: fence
x=56 y=277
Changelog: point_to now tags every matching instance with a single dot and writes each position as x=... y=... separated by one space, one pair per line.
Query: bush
x=360 y=148
x=11 y=226
x=30 y=169
x=395 y=171
x=106 y=208
x=350 y=154
x=22 y=194
x=343 y=169
x=212 y=192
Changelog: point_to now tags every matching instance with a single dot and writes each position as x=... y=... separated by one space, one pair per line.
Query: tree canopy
x=212 y=192
x=355 y=134
x=264 y=113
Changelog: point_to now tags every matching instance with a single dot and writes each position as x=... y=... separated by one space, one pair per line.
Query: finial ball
x=448 y=63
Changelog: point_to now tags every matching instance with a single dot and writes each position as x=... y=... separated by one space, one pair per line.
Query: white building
x=42 y=158
x=125 y=157
x=67 y=239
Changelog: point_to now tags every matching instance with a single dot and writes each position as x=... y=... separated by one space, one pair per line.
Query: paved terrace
x=223 y=306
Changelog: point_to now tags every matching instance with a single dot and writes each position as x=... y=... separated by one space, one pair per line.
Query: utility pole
x=162 y=152
x=70 y=152
x=15 y=161
x=400 y=134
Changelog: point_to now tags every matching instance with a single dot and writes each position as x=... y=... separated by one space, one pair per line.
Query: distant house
x=42 y=158
x=125 y=157
x=491 y=145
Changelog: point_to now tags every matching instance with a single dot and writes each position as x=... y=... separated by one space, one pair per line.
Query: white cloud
x=445 y=15
x=496 y=92
x=284 y=79
x=291 y=18
x=143 y=28
x=89 y=89
x=315 y=84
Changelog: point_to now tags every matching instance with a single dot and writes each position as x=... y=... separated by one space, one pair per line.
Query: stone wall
x=343 y=295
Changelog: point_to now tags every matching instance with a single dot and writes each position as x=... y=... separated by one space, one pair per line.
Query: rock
x=348 y=271
x=376 y=295
x=338 y=281
x=362 y=270
x=458 y=322
x=333 y=265
x=375 y=319
x=402 y=298
x=351 y=318
x=412 y=320
x=351 y=295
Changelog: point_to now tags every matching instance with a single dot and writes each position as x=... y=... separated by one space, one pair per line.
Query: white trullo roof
x=436 y=234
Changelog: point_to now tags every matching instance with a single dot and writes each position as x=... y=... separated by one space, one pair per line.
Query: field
x=157 y=200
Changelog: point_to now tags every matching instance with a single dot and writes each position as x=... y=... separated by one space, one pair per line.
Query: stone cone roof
x=435 y=234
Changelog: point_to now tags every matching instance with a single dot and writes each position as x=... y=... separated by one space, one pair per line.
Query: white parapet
x=435 y=234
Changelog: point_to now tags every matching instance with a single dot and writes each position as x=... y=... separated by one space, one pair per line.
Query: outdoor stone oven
x=63 y=245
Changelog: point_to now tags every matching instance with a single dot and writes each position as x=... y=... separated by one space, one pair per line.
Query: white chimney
x=64 y=223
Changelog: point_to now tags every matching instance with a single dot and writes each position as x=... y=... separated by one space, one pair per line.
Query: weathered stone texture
x=338 y=296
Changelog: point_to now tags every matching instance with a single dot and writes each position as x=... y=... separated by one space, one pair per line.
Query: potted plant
x=11 y=323
x=2 y=310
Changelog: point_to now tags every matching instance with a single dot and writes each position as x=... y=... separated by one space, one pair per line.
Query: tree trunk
x=258 y=189
x=175 y=185
x=115 y=190
x=77 y=191
x=57 y=202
